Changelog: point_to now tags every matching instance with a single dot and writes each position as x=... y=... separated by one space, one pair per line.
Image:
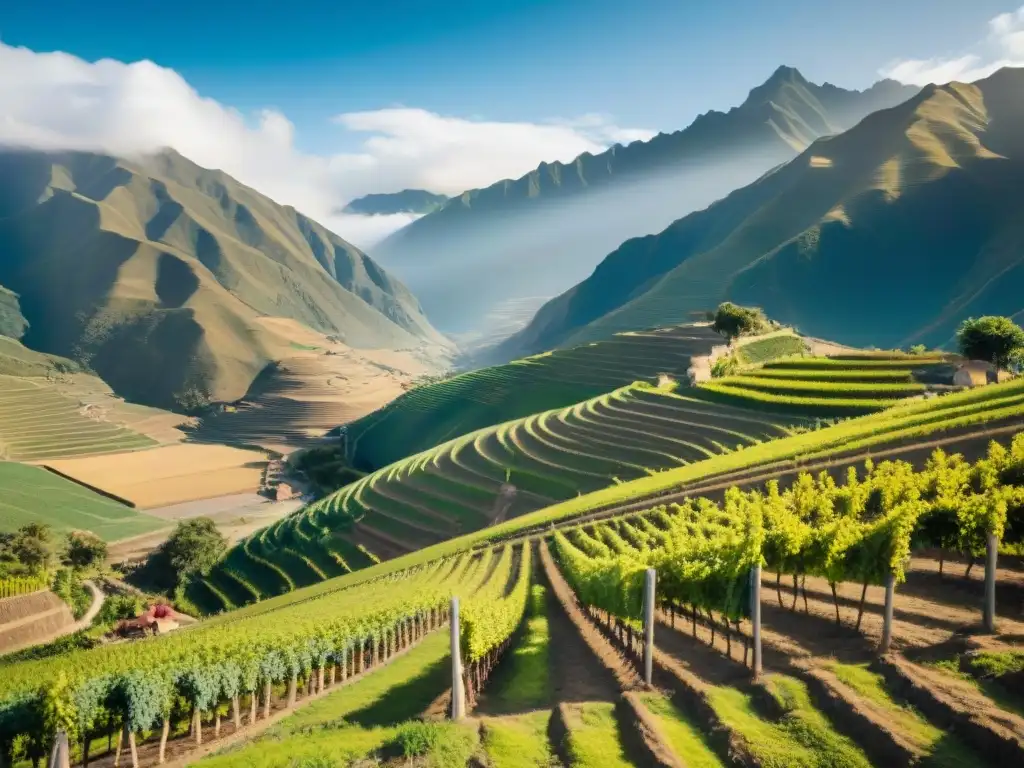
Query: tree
x=194 y=547
x=996 y=340
x=33 y=547
x=83 y=549
x=919 y=349
x=732 y=320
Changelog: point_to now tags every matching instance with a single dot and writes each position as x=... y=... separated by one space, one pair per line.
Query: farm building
x=978 y=373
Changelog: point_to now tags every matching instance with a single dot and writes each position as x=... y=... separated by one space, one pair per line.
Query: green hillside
x=496 y=243
x=433 y=413
x=638 y=433
x=33 y=495
x=156 y=273
x=852 y=241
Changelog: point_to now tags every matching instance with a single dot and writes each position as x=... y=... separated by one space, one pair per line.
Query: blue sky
x=649 y=64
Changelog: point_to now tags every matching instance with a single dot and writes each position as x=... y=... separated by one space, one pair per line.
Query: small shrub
x=732 y=320
x=442 y=745
x=724 y=366
x=68 y=587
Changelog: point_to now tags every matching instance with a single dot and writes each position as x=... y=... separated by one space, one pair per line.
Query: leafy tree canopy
x=194 y=547
x=84 y=549
x=996 y=340
x=30 y=549
x=732 y=320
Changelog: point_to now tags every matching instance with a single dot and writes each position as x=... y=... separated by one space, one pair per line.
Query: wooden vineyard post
x=755 y=615
x=890 y=588
x=649 y=582
x=458 y=689
x=992 y=555
x=60 y=754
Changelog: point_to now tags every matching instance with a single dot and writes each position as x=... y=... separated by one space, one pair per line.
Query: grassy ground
x=680 y=734
x=771 y=348
x=523 y=683
x=517 y=705
x=944 y=750
x=1010 y=700
x=802 y=737
x=354 y=721
x=594 y=739
x=518 y=741
x=33 y=495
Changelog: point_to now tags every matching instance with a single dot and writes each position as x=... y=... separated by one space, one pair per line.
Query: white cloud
x=58 y=101
x=1003 y=47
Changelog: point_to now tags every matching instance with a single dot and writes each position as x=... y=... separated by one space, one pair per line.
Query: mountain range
x=539 y=234
x=417 y=201
x=889 y=234
x=159 y=275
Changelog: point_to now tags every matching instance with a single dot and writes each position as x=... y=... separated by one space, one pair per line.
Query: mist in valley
x=472 y=274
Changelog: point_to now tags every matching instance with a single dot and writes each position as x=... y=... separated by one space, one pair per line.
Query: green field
x=38 y=423
x=33 y=495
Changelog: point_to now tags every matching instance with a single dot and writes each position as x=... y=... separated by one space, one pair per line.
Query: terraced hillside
x=455 y=488
x=38 y=423
x=827 y=386
x=638 y=433
x=429 y=415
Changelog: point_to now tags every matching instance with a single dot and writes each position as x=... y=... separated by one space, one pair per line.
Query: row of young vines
x=22 y=585
x=182 y=677
x=489 y=619
x=859 y=531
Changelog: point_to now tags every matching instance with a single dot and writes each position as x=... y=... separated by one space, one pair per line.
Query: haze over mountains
x=538 y=234
x=417 y=201
x=889 y=234
x=160 y=275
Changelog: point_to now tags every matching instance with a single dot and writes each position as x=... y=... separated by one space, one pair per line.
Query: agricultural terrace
x=441 y=493
x=551 y=656
x=32 y=495
x=633 y=442
x=38 y=423
x=429 y=415
x=825 y=386
x=777 y=345
x=964 y=421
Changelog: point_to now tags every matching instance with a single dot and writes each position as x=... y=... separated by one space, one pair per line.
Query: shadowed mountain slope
x=539 y=234
x=889 y=234
x=157 y=274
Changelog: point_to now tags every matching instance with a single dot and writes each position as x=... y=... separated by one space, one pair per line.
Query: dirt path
x=575 y=673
